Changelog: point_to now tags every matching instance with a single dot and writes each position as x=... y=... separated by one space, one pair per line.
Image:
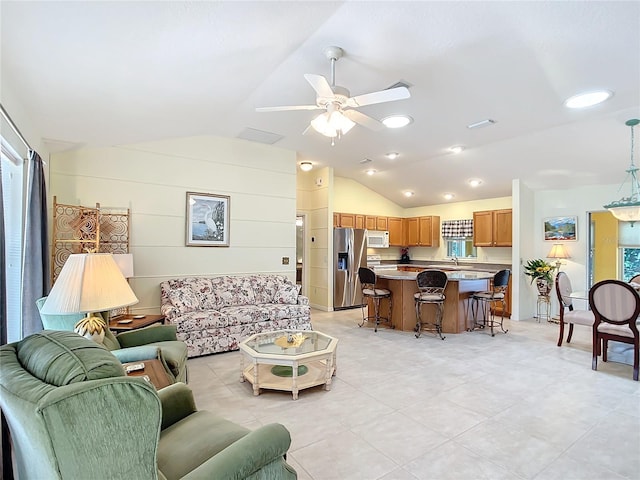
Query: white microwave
x=377 y=239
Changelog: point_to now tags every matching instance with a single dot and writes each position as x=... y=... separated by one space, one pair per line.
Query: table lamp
x=89 y=283
x=559 y=252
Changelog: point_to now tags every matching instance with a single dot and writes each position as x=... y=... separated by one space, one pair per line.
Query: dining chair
x=369 y=290
x=616 y=307
x=488 y=300
x=635 y=279
x=431 y=286
x=567 y=313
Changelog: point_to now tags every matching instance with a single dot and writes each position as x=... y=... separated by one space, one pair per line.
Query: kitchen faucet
x=454 y=259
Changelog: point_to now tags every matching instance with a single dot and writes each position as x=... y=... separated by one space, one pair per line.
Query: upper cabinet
x=423 y=231
x=492 y=228
x=396 y=232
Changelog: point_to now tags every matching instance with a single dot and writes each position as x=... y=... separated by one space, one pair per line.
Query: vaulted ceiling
x=109 y=73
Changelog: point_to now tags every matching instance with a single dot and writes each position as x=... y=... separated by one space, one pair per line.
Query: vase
x=543 y=286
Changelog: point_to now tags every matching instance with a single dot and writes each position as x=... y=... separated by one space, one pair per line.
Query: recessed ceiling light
x=306 y=166
x=370 y=172
x=456 y=149
x=589 y=99
x=392 y=155
x=397 y=121
x=448 y=196
x=474 y=182
x=408 y=193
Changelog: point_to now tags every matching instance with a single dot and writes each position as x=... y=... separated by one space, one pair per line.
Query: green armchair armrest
x=177 y=403
x=143 y=336
x=248 y=455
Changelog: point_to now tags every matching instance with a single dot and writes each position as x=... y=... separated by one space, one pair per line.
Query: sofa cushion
x=231 y=291
x=243 y=314
x=202 y=320
x=61 y=358
x=265 y=287
x=280 y=311
x=287 y=293
x=184 y=299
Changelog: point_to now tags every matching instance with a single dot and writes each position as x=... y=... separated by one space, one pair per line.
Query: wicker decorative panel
x=78 y=229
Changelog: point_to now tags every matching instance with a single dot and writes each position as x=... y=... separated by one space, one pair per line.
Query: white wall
x=315 y=200
x=152 y=180
x=556 y=203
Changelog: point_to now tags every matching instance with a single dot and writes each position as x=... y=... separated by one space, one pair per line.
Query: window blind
x=457 y=228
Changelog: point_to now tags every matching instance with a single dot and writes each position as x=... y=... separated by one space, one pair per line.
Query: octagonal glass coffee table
x=288 y=360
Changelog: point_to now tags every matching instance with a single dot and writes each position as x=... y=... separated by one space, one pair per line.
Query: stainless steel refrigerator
x=349 y=254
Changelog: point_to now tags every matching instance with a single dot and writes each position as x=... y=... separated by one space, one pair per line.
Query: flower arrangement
x=539 y=269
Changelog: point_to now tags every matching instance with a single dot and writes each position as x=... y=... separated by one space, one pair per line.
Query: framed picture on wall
x=207 y=220
x=561 y=228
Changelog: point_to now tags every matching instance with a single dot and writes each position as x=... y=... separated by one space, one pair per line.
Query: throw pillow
x=287 y=293
x=184 y=299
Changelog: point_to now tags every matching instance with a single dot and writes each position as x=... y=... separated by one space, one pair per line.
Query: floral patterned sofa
x=213 y=314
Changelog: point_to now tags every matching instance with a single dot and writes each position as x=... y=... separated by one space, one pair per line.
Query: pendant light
x=627 y=209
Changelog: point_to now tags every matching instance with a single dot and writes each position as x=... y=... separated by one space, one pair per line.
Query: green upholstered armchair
x=152 y=342
x=73 y=414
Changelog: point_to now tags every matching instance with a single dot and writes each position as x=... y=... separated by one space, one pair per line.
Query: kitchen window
x=460 y=248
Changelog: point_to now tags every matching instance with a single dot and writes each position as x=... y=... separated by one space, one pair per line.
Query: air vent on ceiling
x=259 y=136
x=400 y=83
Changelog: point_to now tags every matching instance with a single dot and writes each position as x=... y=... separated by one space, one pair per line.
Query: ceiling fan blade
x=320 y=85
x=398 y=93
x=364 y=120
x=291 y=107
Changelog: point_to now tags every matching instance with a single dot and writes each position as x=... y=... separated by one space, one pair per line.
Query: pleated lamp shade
x=89 y=282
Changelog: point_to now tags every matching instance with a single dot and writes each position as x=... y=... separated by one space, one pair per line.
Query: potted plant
x=542 y=273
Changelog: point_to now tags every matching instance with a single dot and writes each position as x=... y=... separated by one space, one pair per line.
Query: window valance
x=457 y=228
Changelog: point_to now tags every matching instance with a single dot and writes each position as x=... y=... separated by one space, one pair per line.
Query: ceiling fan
x=339 y=116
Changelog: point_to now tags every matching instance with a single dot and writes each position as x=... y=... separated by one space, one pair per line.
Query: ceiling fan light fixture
x=448 y=196
x=392 y=155
x=456 y=149
x=475 y=182
x=588 y=99
x=306 y=166
x=332 y=124
x=397 y=121
x=627 y=209
x=371 y=172
x=408 y=193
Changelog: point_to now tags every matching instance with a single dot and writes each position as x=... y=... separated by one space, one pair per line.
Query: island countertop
x=455 y=275
x=403 y=286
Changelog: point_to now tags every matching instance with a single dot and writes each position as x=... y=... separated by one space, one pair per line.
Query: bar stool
x=490 y=299
x=368 y=290
x=431 y=284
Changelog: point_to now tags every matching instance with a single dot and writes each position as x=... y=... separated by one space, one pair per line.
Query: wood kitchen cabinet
x=359 y=221
x=492 y=228
x=396 y=234
x=348 y=220
x=370 y=222
x=382 y=223
x=336 y=219
x=423 y=231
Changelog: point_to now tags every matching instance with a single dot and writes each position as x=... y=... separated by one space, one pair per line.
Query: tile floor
x=470 y=407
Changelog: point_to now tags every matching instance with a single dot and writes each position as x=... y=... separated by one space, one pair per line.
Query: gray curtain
x=35 y=275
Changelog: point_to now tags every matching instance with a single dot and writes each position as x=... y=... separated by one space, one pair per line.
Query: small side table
x=543 y=308
x=127 y=323
x=153 y=371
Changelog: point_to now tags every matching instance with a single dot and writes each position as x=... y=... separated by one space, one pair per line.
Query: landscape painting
x=560 y=228
x=207 y=220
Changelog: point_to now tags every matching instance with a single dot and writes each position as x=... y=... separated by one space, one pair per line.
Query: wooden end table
x=127 y=323
x=154 y=372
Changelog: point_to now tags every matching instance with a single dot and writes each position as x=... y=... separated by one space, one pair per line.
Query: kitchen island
x=460 y=288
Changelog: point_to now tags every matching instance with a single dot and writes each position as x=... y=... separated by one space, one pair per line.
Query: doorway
x=614 y=248
x=300 y=225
